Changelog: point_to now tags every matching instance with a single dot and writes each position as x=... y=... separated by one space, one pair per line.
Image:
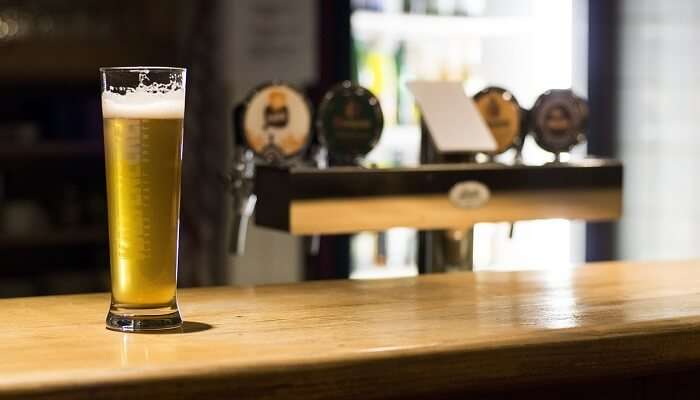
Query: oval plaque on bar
x=349 y=122
x=469 y=194
x=276 y=122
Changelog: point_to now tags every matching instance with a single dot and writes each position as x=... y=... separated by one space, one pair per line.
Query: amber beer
x=143 y=177
x=143 y=132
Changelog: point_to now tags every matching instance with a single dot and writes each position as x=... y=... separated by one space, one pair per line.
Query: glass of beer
x=143 y=110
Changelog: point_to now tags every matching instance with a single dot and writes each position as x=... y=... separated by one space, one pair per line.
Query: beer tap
x=241 y=180
x=558 y=121
x=349 y=122
x=271 y=126
x=505 y=119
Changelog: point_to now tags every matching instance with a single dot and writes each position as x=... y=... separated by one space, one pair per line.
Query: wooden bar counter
x=611 y=330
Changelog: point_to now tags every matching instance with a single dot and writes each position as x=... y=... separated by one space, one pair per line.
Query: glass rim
x=143 y=68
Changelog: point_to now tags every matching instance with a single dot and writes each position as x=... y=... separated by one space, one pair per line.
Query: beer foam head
x=140 y=104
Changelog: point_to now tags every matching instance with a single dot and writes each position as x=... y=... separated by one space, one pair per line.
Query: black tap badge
x=349 y=121
x=559 y=119
x=277 y=122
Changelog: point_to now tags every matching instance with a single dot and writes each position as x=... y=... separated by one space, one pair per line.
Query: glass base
x=132 y=319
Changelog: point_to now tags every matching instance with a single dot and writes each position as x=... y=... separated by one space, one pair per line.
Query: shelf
x=368 y=24
x=68 y=236
x=51 y=150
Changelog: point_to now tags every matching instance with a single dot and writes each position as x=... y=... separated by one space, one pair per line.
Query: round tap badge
x=349 y=121
x=558 y=119
x=503 y=116
x=276 y=122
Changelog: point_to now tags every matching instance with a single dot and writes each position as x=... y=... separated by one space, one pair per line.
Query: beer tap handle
x=241 y=181
x=240 y=227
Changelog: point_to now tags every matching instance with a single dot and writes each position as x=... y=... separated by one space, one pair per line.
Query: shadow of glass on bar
x=143 y=110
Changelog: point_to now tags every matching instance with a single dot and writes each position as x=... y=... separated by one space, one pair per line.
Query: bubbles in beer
x=147 y=100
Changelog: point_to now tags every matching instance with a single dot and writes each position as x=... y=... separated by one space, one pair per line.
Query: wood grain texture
x=349 y=215
x=431 y=335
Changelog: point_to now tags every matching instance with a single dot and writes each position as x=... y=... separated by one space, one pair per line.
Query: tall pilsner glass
x=143 y=110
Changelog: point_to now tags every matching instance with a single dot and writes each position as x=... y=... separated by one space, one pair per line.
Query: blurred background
x=631 y=59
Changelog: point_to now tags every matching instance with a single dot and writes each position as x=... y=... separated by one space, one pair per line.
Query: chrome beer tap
x=241 y=185
x=272 y=126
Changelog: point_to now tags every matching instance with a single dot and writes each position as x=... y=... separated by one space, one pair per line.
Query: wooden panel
x=348 y=199
x=429 y=335
x=436 y=212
